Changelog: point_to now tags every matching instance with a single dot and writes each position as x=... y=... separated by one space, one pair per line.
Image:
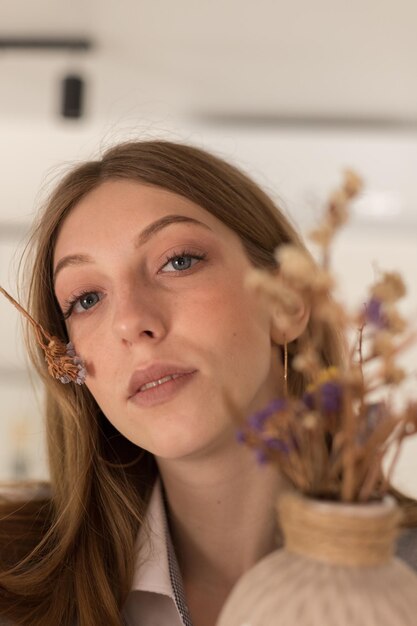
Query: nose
x=139 y=316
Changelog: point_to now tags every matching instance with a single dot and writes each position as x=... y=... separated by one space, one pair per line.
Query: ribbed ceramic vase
x=337 y=568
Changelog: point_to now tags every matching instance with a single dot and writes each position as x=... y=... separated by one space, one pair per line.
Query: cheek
x=238 y=329
x=91 y=343
x=96 y=355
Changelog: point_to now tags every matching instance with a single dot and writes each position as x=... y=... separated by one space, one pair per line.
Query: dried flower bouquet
x=330 y=443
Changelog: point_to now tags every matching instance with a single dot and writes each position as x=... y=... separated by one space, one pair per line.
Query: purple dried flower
x=70 y=349
x=309 y=400
x=279 y=404
x=69 y=367
x=82 y=373
x=258 y=419
x=331 y=396
x=374 y=312
x=276 y=444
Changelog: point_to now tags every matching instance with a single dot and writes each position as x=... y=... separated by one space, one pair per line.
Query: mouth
x=160 y=381
x=162 y=389
x=157 y=383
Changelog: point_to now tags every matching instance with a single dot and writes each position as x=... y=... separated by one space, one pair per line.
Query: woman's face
x=152 y=287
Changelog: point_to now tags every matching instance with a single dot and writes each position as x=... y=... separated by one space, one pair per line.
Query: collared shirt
x=157 y=597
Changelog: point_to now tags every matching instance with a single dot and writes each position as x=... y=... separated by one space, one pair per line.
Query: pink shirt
x=157 y=595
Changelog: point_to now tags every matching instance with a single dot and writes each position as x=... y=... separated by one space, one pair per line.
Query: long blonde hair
x=73 y=551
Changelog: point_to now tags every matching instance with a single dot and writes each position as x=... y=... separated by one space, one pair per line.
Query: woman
x=154 y=509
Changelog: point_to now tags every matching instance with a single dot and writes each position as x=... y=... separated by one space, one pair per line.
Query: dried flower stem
x=373 y=477
x=40 y=332
x=348 y=452
x=63 y=363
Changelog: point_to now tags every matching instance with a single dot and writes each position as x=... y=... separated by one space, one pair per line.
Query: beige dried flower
x=323 y=282
x=338 y=213
x=273 y=288
x=354 y=378
x=383 y=344
x=307 y=360
x=261 y=282
x=395 y=323
x=330 y=311
x=296 y=266
x=310 y=420
x=353 y=183
x=390 y=288
x=392 y=374
x=322 y=235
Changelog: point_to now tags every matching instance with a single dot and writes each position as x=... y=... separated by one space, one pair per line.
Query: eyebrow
x=144 y=236
x=155 y=227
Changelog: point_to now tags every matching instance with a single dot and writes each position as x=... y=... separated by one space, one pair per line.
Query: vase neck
x=338 y=533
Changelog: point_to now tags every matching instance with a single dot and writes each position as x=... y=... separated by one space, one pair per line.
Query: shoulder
x=407 y=546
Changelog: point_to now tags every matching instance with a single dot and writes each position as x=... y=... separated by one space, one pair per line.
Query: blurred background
x=291 y=92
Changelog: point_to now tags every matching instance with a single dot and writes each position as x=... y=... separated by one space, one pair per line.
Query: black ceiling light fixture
x=45 y=43
x=72 y=103
x=73 y=86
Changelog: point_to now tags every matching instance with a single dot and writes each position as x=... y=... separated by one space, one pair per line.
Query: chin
x=175 y=448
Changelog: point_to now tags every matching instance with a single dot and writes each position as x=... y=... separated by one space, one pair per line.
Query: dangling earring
x=63 y=364
x=285 y=368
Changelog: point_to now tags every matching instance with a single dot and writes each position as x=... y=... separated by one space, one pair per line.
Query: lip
x=155 y=372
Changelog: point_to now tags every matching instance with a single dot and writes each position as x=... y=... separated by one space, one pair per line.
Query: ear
x=289 y=322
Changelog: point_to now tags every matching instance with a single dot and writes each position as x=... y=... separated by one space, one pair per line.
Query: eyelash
x=72 y=301
x=185 y=253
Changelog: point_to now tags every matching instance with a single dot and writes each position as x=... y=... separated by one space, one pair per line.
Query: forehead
x=119 y=209
x=115 y=196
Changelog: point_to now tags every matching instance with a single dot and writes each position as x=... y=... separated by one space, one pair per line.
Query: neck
x=222 y=515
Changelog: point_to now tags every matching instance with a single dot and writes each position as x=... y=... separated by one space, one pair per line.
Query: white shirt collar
x=157 y=594
x=152 y=568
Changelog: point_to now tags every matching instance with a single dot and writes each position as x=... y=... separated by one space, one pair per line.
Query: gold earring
x=285 y=368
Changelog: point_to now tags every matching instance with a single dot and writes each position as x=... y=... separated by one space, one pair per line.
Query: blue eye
x=183 y=261
x=87 y=301
x=81 y=303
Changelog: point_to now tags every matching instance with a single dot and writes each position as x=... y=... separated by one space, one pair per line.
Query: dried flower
x=374 y=312
x=383 y=344
x=395 y=323
x=352 y=184
x=323 y=235
x=62 y=362
x=330 y=442
x=392 y=374
x=390 y=288
x=307 y=360
x=264 y=283
x=310 y=420
x=295 y=266
x=338 y=213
